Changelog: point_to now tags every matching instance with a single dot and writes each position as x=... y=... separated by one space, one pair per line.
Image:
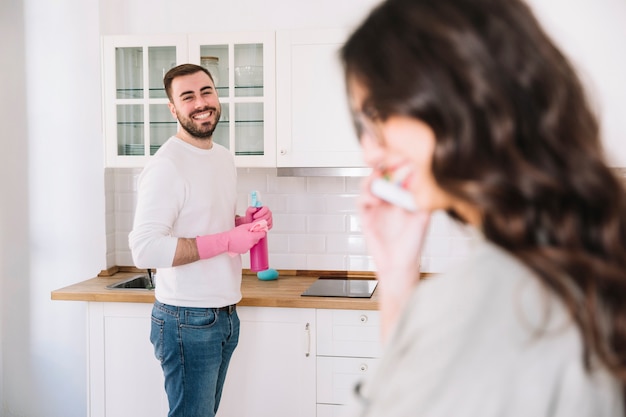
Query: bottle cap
x=255 y=199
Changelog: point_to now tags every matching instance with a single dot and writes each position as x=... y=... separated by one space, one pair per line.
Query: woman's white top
x=486 y=340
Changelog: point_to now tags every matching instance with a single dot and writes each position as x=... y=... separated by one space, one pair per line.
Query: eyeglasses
x=367 y=123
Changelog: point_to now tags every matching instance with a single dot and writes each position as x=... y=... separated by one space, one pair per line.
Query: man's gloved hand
x=254 y=214
x=237 y=241
x=241 y=239
x=263 y=213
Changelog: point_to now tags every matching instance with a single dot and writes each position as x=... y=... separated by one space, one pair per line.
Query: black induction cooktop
x=341 y=287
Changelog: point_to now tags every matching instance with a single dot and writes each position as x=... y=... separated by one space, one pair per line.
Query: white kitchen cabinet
x=325 y=410
x=348 y=348
x=290 y=362
x=272 y=372
x=246 y=86
x=313 y=125
x=137 y=120
x=125 y=378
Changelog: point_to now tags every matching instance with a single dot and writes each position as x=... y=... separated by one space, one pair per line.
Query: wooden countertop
x=283 y=292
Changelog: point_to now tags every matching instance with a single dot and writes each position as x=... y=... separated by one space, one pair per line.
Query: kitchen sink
x=138 y=282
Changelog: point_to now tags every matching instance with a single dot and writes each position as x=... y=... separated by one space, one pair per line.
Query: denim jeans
x=194 y=346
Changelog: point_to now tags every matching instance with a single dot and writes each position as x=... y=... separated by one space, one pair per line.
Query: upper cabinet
x=283 y=96
x=244 y=64
x=137 y=119
x=314 y=126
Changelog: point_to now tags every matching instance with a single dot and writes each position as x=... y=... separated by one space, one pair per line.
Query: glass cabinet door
x=137 y=118
x=243 y=67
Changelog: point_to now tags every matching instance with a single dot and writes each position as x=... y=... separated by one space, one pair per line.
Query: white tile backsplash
x=307 y=244
x=307 y=203
x=327 y=262
x=354 y=223
x=325 y=223
x=326 y=185
x=316 y=225
x=348 y=244
x=288 y=223
x=288 y=185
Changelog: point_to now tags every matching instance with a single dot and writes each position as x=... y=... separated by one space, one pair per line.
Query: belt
x=229 y=308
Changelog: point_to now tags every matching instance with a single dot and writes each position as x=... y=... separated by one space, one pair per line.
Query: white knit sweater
x=185 y=191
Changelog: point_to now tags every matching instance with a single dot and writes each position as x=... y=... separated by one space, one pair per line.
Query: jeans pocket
x=156 y=337
x=200 y=318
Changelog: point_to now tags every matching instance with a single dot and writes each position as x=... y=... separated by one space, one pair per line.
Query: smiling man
x=197 y=111
x=186 y=227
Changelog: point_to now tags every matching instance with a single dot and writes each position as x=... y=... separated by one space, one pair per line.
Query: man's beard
x=206 y=129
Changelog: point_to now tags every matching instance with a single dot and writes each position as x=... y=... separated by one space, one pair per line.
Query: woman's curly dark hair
x=516 y=138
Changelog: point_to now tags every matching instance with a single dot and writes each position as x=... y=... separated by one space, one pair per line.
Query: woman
x=476 y=112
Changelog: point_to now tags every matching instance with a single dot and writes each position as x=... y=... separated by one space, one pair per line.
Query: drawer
x=330 y=410
x=353 y=333
x=337 y=377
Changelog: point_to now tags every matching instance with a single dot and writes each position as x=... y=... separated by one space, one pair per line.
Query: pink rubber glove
x=238 y=240
x=248 y=217
x=254 y=214
x=259 y=226
x=263 y=213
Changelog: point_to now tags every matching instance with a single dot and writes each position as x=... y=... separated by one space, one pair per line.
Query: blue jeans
x=194 y=346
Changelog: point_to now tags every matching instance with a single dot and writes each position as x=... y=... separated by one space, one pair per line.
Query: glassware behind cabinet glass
x=141 y=99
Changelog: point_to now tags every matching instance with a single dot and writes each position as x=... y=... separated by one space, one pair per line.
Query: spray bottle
x=259 y=260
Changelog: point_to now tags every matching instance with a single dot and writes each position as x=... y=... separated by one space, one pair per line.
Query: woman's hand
x=394 y=235
x=394 y=238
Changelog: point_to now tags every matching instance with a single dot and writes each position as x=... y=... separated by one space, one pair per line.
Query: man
x=186 y=226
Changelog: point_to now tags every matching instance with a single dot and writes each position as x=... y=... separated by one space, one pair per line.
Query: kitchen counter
x=283 y=292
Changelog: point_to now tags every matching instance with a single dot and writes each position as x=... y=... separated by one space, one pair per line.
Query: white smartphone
x=393 y=193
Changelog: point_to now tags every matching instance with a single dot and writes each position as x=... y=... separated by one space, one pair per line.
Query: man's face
x=195 y=104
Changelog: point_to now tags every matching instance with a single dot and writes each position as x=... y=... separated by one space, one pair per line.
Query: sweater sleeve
x=160 y=196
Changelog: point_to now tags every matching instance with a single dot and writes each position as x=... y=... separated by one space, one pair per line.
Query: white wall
x=121 y=17
x=52 y=199
x=592 y=35
x=13 y=197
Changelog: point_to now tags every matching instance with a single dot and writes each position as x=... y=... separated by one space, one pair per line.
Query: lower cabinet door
x=125 y=378
x=330 y=410
x=348 y=333
x=272 y=372
x=337 y=377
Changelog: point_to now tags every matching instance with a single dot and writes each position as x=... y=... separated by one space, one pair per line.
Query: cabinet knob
x=363 y=318
x=363 y=367
x=283 y=151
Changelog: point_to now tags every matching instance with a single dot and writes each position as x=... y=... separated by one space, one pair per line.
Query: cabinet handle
x=283 y=151
x=363 y=367
x=307 y=340
x=363 y=318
